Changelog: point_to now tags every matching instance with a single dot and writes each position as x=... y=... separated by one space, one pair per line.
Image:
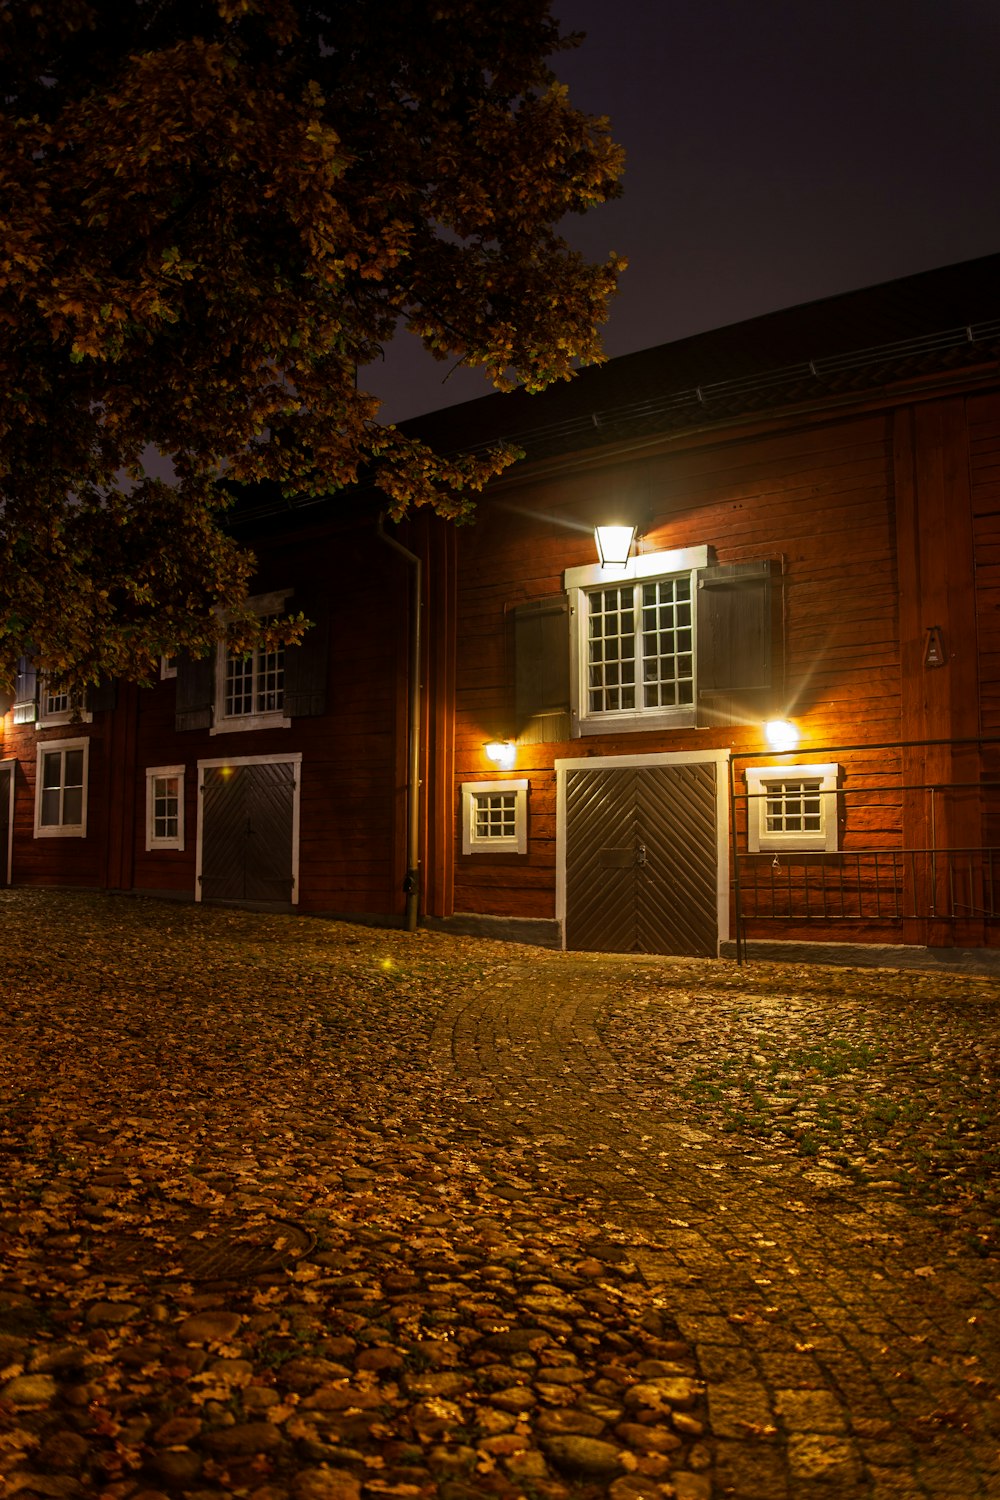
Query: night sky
x=777 y=151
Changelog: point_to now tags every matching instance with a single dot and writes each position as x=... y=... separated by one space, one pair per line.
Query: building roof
x=858 y=342
x=936 y=321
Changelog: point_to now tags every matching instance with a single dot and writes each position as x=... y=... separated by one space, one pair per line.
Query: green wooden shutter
x=306 y=665
x=738 y=643
x=195 y=692
x=541 y=669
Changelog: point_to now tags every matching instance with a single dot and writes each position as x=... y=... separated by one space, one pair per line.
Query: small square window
x=792 y=807
x=165 y=807
x=56 y=706
x=495 y=817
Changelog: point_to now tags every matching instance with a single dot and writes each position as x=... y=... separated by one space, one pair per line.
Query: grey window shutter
x=195 y=692
x=306 y=665
x=26 y=685
x=541 y=668
x=738 y=643
x=101 y=696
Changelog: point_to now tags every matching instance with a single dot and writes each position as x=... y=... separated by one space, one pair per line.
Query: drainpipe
x=411 y=885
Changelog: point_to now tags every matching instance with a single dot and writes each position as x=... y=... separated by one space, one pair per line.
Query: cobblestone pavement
x=294 y=1210
x=848 y=1337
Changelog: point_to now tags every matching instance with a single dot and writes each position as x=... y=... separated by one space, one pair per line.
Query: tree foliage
x=213 y=215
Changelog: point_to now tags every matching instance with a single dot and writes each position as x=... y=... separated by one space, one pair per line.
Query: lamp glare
x=502 y=753
x=781 y=734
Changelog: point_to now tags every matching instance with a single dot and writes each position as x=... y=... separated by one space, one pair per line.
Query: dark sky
x=777 y=151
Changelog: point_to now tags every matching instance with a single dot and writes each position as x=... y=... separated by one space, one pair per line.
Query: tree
x=213 y=214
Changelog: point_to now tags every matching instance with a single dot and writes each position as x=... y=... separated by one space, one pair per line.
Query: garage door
x=248 y=821
x=642 y=860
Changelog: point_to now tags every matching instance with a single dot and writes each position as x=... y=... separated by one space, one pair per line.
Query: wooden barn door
x=6 y=819
x=248 y=825
x=642 y=860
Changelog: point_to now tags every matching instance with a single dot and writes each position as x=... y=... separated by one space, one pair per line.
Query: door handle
x=640 y=854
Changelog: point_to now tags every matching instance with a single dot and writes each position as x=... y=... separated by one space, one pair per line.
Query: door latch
x=640 y=854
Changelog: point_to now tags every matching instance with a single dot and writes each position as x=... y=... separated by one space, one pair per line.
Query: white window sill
x=636 y=722
x=60 y=721
x=70 y=831
x=245 y=722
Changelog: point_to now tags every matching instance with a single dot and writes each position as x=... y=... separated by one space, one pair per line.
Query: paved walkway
x=848 y=1347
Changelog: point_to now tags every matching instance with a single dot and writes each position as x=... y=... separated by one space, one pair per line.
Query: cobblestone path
x=849 y=1343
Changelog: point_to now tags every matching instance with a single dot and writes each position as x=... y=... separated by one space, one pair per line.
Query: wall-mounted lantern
x=614 y=545
x=781 y=735
x=503 y=753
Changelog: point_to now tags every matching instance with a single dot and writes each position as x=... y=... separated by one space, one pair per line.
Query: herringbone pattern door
x=641 y=860
x=247 y=828
x=6 y=798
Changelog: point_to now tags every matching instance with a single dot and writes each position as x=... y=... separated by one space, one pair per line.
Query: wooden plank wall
x=984 y=455
x=819 y=498
x=60 y=861
x=353 y=793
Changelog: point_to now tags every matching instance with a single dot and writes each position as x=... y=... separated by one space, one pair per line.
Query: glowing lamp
x=614 y=545
x=502 y=753
x=781 y=734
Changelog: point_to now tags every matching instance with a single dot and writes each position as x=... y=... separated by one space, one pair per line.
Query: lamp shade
x=614 y=544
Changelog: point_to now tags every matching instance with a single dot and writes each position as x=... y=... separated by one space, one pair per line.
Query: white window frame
x=176 y=841
x=168 y=667
x=473 y=843
x=647 y=567
x=61 y=830
x=74 y=714
x=762 y=840
x=262 y=604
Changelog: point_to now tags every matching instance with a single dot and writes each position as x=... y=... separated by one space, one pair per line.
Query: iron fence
x=875 y=876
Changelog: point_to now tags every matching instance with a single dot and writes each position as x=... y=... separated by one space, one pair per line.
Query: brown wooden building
x=816 y=496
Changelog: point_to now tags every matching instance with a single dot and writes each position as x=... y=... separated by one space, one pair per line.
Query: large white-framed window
x=633 y=646
x=61 y=789
x=250 y=688
x=495 y=817
x=792 y=807
x=164 y=807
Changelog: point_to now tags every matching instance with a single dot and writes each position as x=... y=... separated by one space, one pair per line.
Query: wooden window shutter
x=195 y=692
x=306 y=664
x=101 y=696
x=541 y=668
x=26 y=684
x=739 y=643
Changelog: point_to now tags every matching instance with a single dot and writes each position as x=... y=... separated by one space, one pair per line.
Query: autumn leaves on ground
x=253 y=1244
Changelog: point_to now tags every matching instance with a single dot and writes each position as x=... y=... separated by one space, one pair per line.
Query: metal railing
x=871 y=885
x=880 y=880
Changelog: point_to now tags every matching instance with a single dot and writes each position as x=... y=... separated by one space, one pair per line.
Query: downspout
x=411 y=884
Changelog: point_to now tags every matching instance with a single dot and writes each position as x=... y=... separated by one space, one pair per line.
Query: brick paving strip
x=844 y=1351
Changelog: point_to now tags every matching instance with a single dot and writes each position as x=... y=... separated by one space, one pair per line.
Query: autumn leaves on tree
x=214 y=215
